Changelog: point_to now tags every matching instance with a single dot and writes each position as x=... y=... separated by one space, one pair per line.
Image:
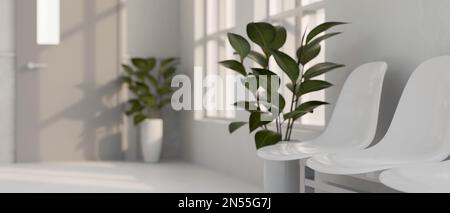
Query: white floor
x=166 y=177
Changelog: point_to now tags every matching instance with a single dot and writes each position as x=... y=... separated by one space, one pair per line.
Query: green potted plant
x=270 y=39
x=149 y=81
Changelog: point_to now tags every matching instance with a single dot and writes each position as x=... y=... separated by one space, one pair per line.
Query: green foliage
x=149 y=81
x=267 y=138
x=240 y=44
x=258 y=58
x=235 y=66
x=280 y=38
x=270 y=40
x=322 y=28
x=262 y=34
x=320 y=69
x=235 y=126
x=288 y=65
x=255 y=121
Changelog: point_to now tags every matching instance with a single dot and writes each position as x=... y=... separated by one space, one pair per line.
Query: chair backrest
x=421 y=125
x=355 y=117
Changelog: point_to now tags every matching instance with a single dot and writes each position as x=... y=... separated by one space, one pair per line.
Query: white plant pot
x=151 y=132
x=282 y=176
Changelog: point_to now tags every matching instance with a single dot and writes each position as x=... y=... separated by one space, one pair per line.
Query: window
x=48 y=22
x=215 y=18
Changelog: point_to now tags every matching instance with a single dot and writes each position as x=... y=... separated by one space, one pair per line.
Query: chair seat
x=353 y=123
x=412 y=138
x=423 y=178
x=287 y=151
x=364 y=161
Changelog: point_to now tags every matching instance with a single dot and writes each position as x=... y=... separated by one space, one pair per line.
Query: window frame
x=298 y=13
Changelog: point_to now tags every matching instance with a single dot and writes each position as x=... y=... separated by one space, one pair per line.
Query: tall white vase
x=151 y=132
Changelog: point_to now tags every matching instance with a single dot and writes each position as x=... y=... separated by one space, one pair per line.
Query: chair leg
x=282 y=176
x=309 y=174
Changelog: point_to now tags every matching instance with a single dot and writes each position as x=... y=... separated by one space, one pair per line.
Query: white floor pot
x=151 y=132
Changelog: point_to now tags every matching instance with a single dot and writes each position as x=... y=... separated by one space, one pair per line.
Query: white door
x=67 y=106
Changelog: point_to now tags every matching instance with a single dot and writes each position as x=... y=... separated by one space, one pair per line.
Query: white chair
x=419 y=132
x=352 y=126
x=426 y=178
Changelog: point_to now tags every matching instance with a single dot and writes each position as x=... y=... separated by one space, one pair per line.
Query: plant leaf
x=312 y=86
x=164 y=91
x=319 y=39
x=141 y=64
x=267 y=138
x=233 y=127
x=248 y=81
x=127 y=80
x=291 y=88
x=168 y=61
x=249 y=106
x=128 y=69
x=133 y=89
x=139 y=119
x=281 y=103
x=164 y=102
x=152 y=80
x=259 y=72
x=304 y=109
x=266 y=82
x=240 y=44
x=261 y=33
x=259 y=58
x=287 y=64
x=320 y=69
x=307 y=53
x=149 y=100
x=135 y=107
x=142 y=89
x=322 y=28
x=169 y=73
x=141 y=75
x=255 y=121
x=295 y=115
x=168 y=64
x=271 y=105
x=234 y=65
x=280 y=38
x=151 y=63
x=310 y=106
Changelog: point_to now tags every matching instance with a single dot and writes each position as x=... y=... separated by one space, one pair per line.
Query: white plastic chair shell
x=354 y=121
x=419 y=133
x=426 y=178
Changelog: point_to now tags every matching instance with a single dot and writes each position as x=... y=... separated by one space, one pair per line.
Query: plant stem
x=287 y=138
x=292 y=123
x=297 y=98
x=278 y=124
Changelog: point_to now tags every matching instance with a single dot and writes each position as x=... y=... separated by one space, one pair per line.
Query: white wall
x=154 y=31
x=403 y=33
x=153 y=28
x=6 y=81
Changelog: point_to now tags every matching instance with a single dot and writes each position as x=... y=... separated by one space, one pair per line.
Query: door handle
x=35 y=66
